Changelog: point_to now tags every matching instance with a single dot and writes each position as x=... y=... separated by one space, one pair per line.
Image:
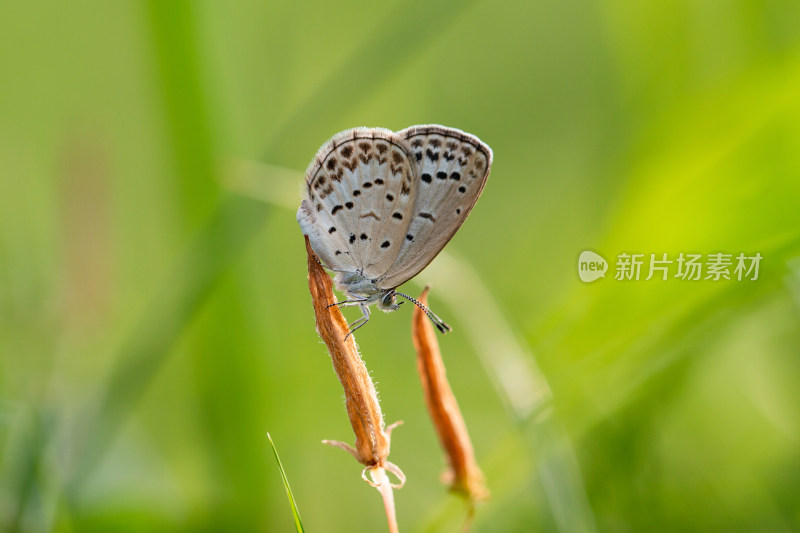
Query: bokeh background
x=155 y=321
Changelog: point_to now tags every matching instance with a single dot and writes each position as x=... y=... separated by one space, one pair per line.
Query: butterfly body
x=364 y=290
x=381 y=205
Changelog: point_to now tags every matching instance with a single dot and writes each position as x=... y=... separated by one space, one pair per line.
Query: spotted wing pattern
x=360 y=197
x=451 y=170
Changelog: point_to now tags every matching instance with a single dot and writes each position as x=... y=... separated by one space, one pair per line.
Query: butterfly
x=380 y=205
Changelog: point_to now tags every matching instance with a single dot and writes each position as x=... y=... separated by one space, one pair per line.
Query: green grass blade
x=218 y=244
x=297 y=522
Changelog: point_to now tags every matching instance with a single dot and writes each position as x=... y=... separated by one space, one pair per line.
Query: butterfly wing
x=359 y=199
x=451 y=171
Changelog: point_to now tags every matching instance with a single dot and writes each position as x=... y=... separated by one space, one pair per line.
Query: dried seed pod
x=465 y=476
x=372 y=438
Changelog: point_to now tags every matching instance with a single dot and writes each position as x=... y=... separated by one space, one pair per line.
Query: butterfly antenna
x=440 y=324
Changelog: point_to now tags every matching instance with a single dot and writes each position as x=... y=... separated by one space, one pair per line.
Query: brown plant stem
x=372 y=438
x=384 y=486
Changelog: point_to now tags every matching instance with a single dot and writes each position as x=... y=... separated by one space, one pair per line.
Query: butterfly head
x=388 y=302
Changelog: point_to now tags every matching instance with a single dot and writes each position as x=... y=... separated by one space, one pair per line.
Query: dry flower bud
x=372 y=439
x=465 y=475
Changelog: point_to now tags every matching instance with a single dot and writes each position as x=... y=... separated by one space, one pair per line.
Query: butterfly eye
x=389 y=299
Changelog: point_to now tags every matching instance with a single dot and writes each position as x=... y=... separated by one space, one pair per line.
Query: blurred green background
x=155 y=320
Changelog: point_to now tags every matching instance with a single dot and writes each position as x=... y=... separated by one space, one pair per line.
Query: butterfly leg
x=359 y=322
x=364 y=311
x=347 y=303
